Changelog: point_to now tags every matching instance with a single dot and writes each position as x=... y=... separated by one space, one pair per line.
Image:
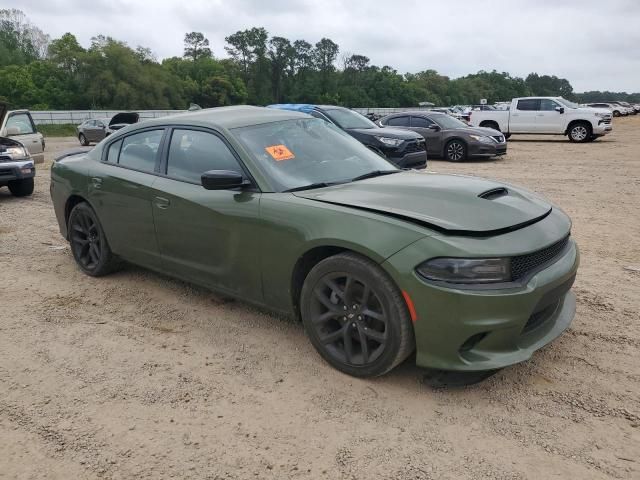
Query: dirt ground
x=139 y=376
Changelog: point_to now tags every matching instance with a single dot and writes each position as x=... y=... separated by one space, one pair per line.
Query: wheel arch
x=488 y=123
x=572 y=123
x=447 y=141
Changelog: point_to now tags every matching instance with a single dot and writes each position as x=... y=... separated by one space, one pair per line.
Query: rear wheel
x=21 y=188
x=83 y=140
x=455 y=151
x=616 y=113
x=88 y=242
x=580 y=132
x=355 y=316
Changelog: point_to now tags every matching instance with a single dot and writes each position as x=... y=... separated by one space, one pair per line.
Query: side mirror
x=560 y=109
x=435 y=128
x=12 y=131
x=221 y=180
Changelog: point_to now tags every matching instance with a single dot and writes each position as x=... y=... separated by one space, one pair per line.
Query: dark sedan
x=96 y=129
x=448 y=137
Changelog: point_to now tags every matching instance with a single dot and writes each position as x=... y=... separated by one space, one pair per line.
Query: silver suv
x=17 y=168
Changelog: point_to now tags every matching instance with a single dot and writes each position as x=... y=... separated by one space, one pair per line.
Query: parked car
x=17 y=168
x=615 y=110
x=92 y=131
x=626 y=108
x=121 y=120
x=448 y=137
x=19 y=125
x=547 y=115
x=288 y=212
x=404 y=149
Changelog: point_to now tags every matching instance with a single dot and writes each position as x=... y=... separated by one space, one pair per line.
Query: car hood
x=451 y=204
x=387 y=132
x=125 y=118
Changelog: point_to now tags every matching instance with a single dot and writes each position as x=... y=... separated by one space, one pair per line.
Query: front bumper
x=481 y=149
x=603 y=128
x=21 y=170
x=472 y=329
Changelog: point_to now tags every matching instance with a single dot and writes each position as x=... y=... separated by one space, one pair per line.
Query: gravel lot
x=139 y=376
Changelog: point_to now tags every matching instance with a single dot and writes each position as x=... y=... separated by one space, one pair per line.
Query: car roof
x=231 y=117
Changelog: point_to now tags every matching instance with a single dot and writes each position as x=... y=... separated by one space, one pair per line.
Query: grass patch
x=57 y=130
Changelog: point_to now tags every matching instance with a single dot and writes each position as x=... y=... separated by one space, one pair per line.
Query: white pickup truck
x=18 y=125
x=546 y=115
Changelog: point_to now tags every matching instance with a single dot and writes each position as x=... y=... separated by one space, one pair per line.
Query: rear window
x=114 y=150
x=528 y=104
x=398 y=121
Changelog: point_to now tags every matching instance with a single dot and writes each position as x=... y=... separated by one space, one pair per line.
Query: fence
x=78 y=116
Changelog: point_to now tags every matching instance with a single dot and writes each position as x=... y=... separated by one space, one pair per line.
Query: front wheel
x=21 y=188
x=88 y=242
x=355 y=316
x=455 y=151
x=580 y=132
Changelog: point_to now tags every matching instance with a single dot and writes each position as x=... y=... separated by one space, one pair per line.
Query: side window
x=114 y=150
x=22 y=122
x=420 y=122
x=398 y=121
x=191 y=153
x=528 y=104
x=547 y=105
x=139 y=151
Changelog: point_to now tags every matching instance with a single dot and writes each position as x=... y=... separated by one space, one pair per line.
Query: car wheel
x=580 y=132
x=616 y=113
x=355 y=316
x=455 y=151
x=83 y=140
x=21 y=188
x=88 y=242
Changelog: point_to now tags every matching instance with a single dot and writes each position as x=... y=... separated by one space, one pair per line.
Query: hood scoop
x=494 y=193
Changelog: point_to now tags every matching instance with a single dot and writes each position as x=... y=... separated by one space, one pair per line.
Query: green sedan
x=285 y=211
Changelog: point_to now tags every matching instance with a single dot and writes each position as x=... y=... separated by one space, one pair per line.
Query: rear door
x=420 y=124
x=522 y=119
x=206 y=236
x=24 y=130
x=120 y=192
x=549 y=120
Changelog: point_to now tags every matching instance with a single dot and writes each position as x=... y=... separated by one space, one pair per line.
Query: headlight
x=393 y=142
x=482 y=139
x=17 y=153
x=602 y=115
x=466 y=270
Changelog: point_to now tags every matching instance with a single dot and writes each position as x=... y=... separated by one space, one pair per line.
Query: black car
x=404 y=148
x=448 y=137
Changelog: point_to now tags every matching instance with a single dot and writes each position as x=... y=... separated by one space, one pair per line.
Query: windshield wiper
x=311 y=186
x=375 y=173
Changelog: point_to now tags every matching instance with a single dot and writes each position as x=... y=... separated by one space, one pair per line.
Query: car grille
x=606 y=120
x=524 y=264
x=498 y=138
x=5 y=158
x=415 y=146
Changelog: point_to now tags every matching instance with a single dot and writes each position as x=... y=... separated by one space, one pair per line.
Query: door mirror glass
x=221 y=180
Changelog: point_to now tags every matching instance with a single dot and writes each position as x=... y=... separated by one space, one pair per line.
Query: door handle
x=162 y=202
x=96 y=182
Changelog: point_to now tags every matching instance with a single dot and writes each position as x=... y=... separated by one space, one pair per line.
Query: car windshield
x=297 y=153
x=567 y=103
x=447 y=121
x=346 y=118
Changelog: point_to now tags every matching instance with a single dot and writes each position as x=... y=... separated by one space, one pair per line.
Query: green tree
x=196 y=46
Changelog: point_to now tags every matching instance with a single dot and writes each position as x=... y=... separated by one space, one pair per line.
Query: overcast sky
x=594 y=44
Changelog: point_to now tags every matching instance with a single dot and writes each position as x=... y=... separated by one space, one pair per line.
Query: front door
x=207 y=236
x=549 y=120
x=24 y=130
x=120 y=192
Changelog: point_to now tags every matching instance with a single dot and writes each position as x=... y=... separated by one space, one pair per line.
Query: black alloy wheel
x=355 y=316
x=88 y=243
x=455 y=151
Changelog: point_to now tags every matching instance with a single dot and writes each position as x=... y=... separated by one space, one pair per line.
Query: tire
x=493 y=125
x=362 y=337
x=21 y=188
x=580 y=132
x=89 y=245
x=455 y=151
x=616 y=113
x=83 y=140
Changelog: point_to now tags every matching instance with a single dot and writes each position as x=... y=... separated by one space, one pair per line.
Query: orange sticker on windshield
x=280 y=152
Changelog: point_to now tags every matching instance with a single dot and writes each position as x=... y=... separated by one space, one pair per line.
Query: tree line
x=40 y=73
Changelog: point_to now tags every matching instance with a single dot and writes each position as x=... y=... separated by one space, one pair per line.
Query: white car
x=18 y=125
x=547 y=115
